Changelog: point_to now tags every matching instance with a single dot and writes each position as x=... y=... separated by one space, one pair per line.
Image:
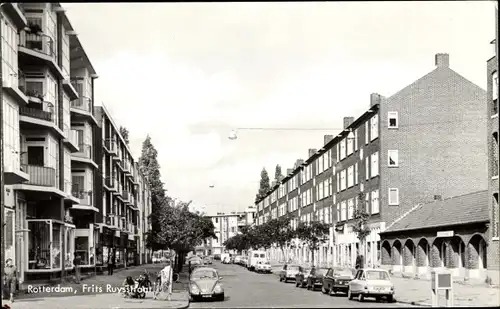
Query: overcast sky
x=188 y=73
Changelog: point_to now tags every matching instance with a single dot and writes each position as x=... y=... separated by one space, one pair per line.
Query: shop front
x=85 y=240
x=45 y=239
x=107 y=245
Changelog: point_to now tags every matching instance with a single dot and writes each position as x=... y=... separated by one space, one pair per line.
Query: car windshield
x=343 y=273
x=293 y=268
x=204 y=274
x=321 y=271
x=376 y=275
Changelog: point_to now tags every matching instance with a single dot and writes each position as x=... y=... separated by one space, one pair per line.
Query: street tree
x=282 y=233
x=264 y=186
x=278 y=175
x=150 y=168
x=125 y=134
x=313 y=234
x=360 y=227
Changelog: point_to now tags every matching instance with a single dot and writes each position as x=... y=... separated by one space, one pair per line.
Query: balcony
x=82 y=104
x=110 y=183
x=38 y=111
x=110 y=146
x=40 y=175
x=84 y=154
x=71 y=138
x=125 y=195
x=37 y=48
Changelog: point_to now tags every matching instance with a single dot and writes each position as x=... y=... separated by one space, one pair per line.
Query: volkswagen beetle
x=204 y=283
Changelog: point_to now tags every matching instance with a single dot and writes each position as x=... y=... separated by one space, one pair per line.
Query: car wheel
x=349 y=295
x=390 y=298
x=361 y=297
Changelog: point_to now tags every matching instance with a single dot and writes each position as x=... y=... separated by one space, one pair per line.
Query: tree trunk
x=312 y=256
x=362 y=253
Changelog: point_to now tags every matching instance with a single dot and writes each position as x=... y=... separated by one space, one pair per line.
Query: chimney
x=289 y=171
x=348 y=121
x=442 y=60
x=327 y=139
x=298 y=162
x=375 y=98
x=312 y=151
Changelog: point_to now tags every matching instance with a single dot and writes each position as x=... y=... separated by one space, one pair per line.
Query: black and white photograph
x=303 y=154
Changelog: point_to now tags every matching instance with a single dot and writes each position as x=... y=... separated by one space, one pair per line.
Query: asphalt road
x=246 y=289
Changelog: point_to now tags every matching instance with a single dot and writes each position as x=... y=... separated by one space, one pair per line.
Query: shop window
x=44 y=244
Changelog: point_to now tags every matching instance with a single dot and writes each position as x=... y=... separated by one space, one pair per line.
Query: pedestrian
x=76 y=263
x=111 y=262
x=9 y=279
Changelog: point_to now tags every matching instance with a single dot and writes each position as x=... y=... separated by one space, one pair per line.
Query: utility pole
x=2 y=193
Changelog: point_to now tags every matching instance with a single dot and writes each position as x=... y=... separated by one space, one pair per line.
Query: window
x=337 y=152
x=494 y=80
x=9 y=53
x=393 y=158
x=342 y=149
x=330 y=186
x=367 y=131
x=495 y=215
x=356 y=140
x=329 y=158
x=367 y=168
x=367 y=202
x=374 y=202
x=393 y=196
x=350 y=146
x=342 y=181
x=321 y=191
x=374 y=164
x=350 y=204
x=343 y=210
x=356 y=172
x=392 y=118
x=338 y=184
x=350 y=176
x=374 y=127
x=338 y=213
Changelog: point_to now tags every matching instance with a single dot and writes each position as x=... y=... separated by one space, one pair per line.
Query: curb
x=414 y=303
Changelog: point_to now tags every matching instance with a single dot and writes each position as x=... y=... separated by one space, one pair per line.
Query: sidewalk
x=418 y=292
x=98 y=292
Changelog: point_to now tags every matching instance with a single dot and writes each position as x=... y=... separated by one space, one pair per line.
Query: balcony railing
x=83 y=103
x=41 y=43
x=85 y=150
x=110 y=182
x=36 y=111
x=110 y=144
x=125 y=195
x=40 y=175
x=84 y=196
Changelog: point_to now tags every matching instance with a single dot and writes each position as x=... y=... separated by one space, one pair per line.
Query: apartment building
x=404 y=150
x=126 y=200
x=493 y=160
x=52 y=151
x=38 y=70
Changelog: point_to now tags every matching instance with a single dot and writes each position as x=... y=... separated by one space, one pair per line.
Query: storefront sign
x=445 y=234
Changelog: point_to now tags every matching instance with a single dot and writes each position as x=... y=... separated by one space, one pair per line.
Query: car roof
x=205 y=268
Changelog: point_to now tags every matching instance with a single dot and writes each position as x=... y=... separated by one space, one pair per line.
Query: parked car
x=288 y=272
x=301 y=276
x=207 y=260
x=237 y=259
x=195 y=261
x=156 y=260
x=244 y=261
x=231 y=259
x=370 y=282
x=263 y=267
x=315 y=278
x=337 y=280
x=204 y=283
x=217 y=257
x=254 y=257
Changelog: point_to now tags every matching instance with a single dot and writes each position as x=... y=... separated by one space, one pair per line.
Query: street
x=245 y=289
